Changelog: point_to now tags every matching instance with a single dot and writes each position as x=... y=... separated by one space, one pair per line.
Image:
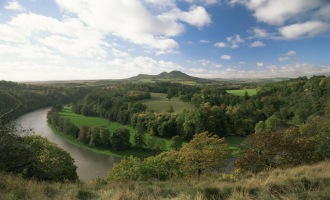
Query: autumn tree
x=204 y=153
x=83 y=134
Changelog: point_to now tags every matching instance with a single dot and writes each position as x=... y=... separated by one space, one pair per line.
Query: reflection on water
x=90 y=164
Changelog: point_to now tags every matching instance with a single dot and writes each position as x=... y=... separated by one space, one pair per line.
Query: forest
x=198 y=135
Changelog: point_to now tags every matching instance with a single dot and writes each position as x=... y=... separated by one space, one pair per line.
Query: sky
x=114 y=39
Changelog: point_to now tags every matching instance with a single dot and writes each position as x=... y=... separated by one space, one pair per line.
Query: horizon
x=104 y=40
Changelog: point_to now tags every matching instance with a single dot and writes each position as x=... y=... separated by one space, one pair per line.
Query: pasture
x=242 y=92
x=159 y=103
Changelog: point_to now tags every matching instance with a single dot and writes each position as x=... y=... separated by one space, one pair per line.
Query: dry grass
x=305 y=182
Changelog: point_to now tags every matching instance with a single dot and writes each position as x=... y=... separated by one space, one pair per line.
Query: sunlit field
x=242 y=92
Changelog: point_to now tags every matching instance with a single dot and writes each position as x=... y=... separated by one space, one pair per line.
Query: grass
x=304 y=182
x=242 y=92
x=159 y=103
x=80 y=120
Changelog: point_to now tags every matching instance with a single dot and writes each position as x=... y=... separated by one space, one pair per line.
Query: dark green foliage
x=120 y=139
x=211 y=193
x=140 y=139
x=84 y=194
x=83 y=134
x=176 y=142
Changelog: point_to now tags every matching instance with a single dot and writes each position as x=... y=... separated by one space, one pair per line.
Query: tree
x=204 y=153
x=260 y=126
x=169 y=96
x=83 y=134
x=271 y=123
x=120 y=139
x=52 y=162
x=156 y=144
x=170 y=109
x=139 y=138
x=176 y=142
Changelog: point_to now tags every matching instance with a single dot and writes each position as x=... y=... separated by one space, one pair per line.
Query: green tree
x=170 y=109
x=169 y=96
x=260 y=126
x=271 y=123
x=52 y=162
x=120 y=139
x=139 y=138
x=176 y=142
x=156 y=144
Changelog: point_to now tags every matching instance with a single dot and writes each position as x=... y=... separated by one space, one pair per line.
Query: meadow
x=80 y=120
x=242 y=92
x=159 y=103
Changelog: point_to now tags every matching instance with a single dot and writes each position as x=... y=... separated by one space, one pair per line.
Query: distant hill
x=173 y=75
x=253 y=80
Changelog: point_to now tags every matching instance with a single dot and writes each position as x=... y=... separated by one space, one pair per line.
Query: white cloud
x=204 y=62
x=217 y=65
x=197 y=16
x=204 y=41
x=197 y=70
x=118 y=53
x=257 y=44
x=205 y=2
x=242 y=63
x=289 y=70
x=283 y=58
x=14 y=5
x=260 y=64
x=31 y=52
x=291 y=53
x=220 y=44
x=310 y=28
x=235 y=40
x=129 y=20
x=226 y=57
x=170 y=51
x=277 y=12
x=260 y=33
x=229 y=38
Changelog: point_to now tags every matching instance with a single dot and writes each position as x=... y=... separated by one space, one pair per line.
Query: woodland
x=198 y=136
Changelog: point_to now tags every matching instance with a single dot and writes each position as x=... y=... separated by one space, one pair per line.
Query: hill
x=304 y=182
x=173 y=75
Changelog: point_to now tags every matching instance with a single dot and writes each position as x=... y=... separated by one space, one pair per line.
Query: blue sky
x=102 y=39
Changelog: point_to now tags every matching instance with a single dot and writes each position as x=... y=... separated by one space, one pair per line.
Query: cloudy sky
x=111 y=39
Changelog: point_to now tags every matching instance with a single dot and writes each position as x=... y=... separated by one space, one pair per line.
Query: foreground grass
x=159 y=103
x=80 y=120
x=242 y=92
x=305 y=182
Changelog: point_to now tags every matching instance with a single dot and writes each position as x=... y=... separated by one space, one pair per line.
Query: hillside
x=305 y=182
x=165 y=76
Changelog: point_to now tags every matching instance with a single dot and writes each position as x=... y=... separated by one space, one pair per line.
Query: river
x=90 y=164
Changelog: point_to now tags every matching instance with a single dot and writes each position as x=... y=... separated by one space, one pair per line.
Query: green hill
x=171 y=76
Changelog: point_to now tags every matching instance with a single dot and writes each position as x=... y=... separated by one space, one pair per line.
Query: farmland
x=159 y=103
x=242 y=92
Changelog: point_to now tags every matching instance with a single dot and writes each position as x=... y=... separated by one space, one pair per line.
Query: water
x=90 y=164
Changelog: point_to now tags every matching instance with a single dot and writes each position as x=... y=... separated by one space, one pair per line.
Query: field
x=242 y=92
x=159 y=103
x=80 y=120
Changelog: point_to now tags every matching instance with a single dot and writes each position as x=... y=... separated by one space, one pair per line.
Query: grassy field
x=159 y=103
x=80 y=120
x=242 y=92
x=304 y=182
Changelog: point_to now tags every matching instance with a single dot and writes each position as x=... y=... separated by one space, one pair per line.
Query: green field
x=80 y=120
x=159 y=103
x=242 y=92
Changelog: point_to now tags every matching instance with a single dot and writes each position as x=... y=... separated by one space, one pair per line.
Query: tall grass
x=305 y=182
